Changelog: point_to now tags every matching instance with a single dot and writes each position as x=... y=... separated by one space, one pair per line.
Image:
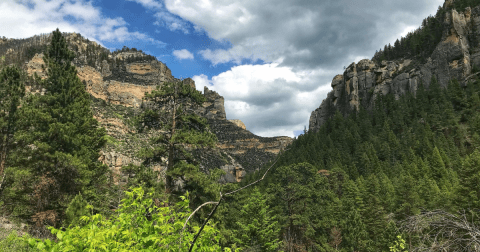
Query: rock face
x=453 y=57
x=246 y=152
x=118 y=81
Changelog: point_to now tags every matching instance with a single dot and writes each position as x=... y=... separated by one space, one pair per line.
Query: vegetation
x=418 y=44
x=138 y=225
x=57 y=146
x=170 y=108
x=360 y=177
x=12 y=89
x=379 y=180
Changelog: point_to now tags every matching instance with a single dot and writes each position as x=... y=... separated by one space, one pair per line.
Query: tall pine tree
x=60 y=141
x=170 y=108
x=12 y=89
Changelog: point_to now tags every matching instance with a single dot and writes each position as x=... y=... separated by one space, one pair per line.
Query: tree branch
x=217 y=204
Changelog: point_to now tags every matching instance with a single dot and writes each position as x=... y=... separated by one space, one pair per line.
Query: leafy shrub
x=139 y=226
x=14 y=243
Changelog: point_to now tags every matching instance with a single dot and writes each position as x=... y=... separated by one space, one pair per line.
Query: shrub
x=140 y=225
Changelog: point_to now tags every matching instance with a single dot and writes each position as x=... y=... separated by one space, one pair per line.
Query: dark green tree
x=468 y=192
x=59 y=140
x=76 y=209
x=170 y=108
x=12 y=89
x=257 y=228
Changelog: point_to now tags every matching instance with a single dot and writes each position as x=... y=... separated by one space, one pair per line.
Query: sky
x=272 y=60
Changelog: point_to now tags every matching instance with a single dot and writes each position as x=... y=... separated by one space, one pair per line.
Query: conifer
x=12 y=89
x=59 y=138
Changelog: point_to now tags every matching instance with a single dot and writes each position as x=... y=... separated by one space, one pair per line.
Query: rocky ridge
x=118 y=81
x=454 y=57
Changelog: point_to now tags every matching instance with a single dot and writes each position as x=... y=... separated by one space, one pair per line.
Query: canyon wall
x=454 y=57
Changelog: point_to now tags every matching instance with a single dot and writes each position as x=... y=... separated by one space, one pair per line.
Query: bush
x=140 y=225
x=14 y=243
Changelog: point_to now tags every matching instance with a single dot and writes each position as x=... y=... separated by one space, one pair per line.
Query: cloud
x=270 y=99
x=23 y=19
x=148 y=4
x=182 y=54
x=164 y=18
x=308 y=34
x=303 y=44
x=171 y=22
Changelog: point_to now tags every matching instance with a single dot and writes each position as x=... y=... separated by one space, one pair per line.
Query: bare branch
x=198 y=208
x=206 y=221
x=218 y=203
x=257 y=180
x=443 y=231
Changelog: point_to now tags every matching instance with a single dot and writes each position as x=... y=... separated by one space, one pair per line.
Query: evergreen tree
x=12 y=89
x=170 y=108
x=76 y=209
x=468 y=192
x=256 y=226
x=59 y=140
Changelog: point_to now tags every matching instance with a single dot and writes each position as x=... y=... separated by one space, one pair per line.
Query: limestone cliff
x=453 y=57
x=118 y=81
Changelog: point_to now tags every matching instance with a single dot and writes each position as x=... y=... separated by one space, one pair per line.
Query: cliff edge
x=457 y=54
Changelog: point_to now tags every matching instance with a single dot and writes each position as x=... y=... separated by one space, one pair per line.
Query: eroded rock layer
x=118 y=81
x=453 y=57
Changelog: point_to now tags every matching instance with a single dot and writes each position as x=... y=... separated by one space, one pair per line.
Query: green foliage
x=414 y=154
x=58 y=143
x=13 y=243
x=460 y=5
x=256 y=227
x=469 y=189
x=139 y=175
x=170 y=108
x=399 y=245
x=12 y=89
x=296 y=189
x=138 y=225
x=76 y=209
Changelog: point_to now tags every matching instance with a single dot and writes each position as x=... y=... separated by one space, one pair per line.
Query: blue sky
x=272 y=60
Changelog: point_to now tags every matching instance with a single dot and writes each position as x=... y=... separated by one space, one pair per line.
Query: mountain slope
x=118 y=81
x=457 y=56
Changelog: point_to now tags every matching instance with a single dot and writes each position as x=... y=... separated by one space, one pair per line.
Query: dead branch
x=443 y=231
x=217 y=204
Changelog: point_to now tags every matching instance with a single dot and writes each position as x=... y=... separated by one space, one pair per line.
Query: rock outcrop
x=117 y=83
x=246 y=151
x=453 y=57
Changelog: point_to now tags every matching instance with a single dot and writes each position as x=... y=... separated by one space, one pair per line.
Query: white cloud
x=170 y=21
x=182 y=54
x=20 y=21
x=310 y=41
x=308 y=34
x=271 y=100
x=148 y=4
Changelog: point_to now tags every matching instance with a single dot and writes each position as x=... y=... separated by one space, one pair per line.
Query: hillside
x=400 y=69
x=117 y=82
x=390 y=161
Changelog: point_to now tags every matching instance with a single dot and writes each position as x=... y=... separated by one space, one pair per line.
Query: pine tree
x=76 y=209
x=59 y=138
x=468 y=192
x=170 y=107
x=12 y=89
x=256 y=226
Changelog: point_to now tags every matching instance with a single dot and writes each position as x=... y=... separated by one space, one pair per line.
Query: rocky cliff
x=118 y=81
x=454 y=57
